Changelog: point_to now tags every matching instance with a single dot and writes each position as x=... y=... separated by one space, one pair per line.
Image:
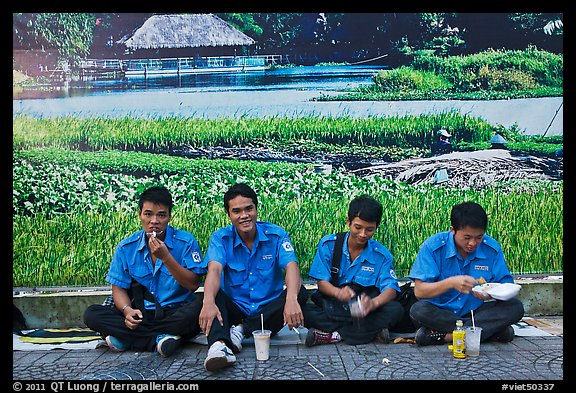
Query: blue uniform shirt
x=251 y=278
x=438 y=259
x=132 y=259
x=372 y=267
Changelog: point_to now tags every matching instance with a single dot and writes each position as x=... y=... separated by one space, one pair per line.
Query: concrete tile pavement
x=530 y=358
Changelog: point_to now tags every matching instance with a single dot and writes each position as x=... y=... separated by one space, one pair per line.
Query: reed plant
x=169 y=133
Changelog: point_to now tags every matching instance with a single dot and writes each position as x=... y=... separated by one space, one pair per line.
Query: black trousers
x=273 y=315
x=354 y=331
x=492 y=317
x=180 y=320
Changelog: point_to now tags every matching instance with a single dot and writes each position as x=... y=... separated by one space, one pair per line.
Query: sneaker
x=383 y=336
x=219 y=356
x=115 y=344
x=315 y=337
x=236 y=336
x=425 y=336
x=504 y=336
x=166 y=344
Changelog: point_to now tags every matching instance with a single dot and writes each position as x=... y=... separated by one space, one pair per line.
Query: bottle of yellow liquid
x=458 y=340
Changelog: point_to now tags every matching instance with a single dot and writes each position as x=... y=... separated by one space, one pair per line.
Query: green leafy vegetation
x=72 y=205
x=489 y=75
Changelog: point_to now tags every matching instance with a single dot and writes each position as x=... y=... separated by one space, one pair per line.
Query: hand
x=368 y=304
x=157 y=247
x=207 y=315
x=481 y=295
x=361 y=306
x=293 y=315
x=345 y=293
x=132 y=317
x=463 y=284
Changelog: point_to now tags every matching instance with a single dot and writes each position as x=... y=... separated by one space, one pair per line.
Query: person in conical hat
x=442 y=144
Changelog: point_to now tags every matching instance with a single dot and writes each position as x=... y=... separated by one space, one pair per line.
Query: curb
x=60 y=308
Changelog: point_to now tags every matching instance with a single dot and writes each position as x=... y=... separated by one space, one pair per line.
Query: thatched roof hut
x=181 y=31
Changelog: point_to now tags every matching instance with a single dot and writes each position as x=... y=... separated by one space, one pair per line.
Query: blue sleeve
x=193 y=257
x=322 y=263
x=425 y=267
x=286 y=252
x=387 y=277
x=215 y=251
x=118 y=274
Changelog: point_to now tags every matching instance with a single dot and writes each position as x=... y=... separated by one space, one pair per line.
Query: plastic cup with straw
x=472 y=340
x=262 y=341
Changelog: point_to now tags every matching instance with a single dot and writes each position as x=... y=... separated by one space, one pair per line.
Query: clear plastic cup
x=262 y=344
x=472 y=340
x=356 y=309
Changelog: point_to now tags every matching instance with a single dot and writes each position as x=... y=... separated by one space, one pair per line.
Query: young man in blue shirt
x=163 y=265
x=366 y=273
x=245 y=261
x=447 y=267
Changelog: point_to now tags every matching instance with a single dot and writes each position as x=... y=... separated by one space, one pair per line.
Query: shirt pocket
x=167 y=282
x=365 y=280
x=236 y=274
x=366 y=276
x=141 y=274
x=266 y=268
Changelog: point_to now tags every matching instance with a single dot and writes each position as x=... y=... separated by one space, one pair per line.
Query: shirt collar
x=260 y=236
x=451 y=250
x=362 y=257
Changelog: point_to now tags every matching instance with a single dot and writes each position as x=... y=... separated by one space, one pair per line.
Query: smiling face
x=360 y=231
x=154 y=218
x=467 y=239
x=243 y=215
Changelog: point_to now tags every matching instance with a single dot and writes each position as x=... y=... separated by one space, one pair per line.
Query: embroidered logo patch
x=481 y=267
x=393 y=274
x=196 y=256
x=368 y=269
x=287 y=246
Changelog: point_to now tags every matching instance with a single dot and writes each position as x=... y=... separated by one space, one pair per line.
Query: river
x=283 y=92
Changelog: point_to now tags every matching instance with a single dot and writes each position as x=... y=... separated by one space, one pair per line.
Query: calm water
x=297 y=78
x=284 y=92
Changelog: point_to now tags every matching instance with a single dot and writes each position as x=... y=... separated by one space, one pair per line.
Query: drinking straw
x=472 y=313
x=318 y=371
x=360 y=305
x=262 y=321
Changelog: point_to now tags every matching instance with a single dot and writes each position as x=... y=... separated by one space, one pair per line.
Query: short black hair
x=156 y=195
x=468 y=214
x=366 y=208
x=242 y=189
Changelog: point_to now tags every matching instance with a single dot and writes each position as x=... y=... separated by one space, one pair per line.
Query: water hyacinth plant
x=71 y=208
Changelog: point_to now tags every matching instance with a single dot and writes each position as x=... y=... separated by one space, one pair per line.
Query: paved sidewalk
x=530 y=358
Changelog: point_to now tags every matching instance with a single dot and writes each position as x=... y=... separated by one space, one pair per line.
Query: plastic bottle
x=458 y=340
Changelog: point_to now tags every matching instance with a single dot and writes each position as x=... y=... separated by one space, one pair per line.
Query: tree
x=70 y=33
x=243 y=22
